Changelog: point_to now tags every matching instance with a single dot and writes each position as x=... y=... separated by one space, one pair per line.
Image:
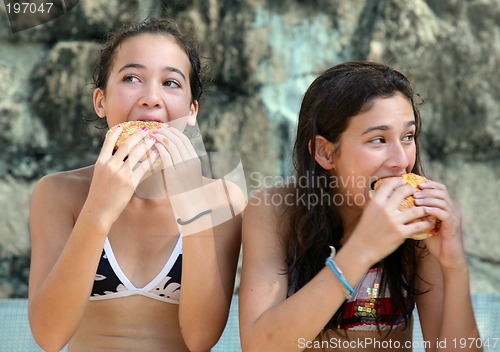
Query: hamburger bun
x=130 y=127
x=409 y=202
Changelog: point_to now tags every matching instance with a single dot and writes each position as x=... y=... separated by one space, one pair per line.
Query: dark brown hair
x=337 y=95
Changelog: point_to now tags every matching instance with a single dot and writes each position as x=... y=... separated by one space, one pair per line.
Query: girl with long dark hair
x=332 y=268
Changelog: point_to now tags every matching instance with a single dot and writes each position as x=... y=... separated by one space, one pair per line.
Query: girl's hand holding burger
x=117 y=173
x=383 y=227
x=447 y=247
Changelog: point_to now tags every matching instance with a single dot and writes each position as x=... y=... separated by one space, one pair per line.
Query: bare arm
x=67 y=242
x=448 y=294
x=209 y=263
x=265 y=310
x=63 y=263
x=444 y=268
x=210 y=215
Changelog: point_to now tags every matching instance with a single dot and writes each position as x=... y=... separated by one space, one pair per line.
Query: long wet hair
x=338 y=94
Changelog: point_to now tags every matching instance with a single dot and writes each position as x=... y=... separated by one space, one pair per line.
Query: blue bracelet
x=348 y=290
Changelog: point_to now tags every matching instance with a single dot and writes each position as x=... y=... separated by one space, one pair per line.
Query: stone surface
x=14 y=237
x=261 y=56
x=62 y=98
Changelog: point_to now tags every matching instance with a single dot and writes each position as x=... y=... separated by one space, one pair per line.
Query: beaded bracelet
x=348 y=290
x=205 y=212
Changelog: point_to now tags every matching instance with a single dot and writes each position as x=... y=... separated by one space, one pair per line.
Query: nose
x=399 y=156
x=151 y=96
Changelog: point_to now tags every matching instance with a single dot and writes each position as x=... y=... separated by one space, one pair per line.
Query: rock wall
x=261 y=55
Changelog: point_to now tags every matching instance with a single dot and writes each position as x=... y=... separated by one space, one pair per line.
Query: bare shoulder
x=237 y=196
x=66 y=188
x=231 y=193
x=264 y=240
x=56 y=202
x=72 y=178
x=268 y=211
x=275 y=200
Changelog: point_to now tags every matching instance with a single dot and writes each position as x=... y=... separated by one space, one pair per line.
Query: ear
x=324 y=152
x=193 y=112
x=99 y=102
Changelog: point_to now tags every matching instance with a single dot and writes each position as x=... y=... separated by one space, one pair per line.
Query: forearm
x=303 y=315
x=57 y=304
x=209 y=266
x=457 y=327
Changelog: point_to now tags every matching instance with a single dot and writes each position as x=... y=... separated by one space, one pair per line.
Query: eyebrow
x=142 y=67
x=385 y=127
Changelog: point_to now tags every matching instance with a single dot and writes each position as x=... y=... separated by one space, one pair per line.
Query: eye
x=172 y=84
x=409 y=137
x=131 y=78
x=377 y=140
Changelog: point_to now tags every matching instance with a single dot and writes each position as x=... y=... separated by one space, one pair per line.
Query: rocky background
x=261 y=56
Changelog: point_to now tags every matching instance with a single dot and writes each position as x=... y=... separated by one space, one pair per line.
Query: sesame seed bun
x=130 y=127
x=409 y=202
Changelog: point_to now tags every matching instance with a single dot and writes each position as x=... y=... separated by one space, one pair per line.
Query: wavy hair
x=330 y=102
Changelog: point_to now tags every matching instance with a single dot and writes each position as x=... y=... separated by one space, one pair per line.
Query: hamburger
x=130 y=127
x=413 y=180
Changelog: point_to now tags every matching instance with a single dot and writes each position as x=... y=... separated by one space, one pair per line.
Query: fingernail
x=168 y=126
x=145 y=129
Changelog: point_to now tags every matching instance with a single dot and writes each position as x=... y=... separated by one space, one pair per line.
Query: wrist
x=91 y=217
x=353 y=266
x=338 y=272
x=455 y=272
x=100 y=209
x=357 y=257
x=189 y=205
x=202 y=208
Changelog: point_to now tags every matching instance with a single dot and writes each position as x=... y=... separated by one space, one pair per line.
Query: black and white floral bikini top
x=110 y=281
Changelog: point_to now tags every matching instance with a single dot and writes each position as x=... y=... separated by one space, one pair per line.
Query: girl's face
x=149 y=80
x=377 y=143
